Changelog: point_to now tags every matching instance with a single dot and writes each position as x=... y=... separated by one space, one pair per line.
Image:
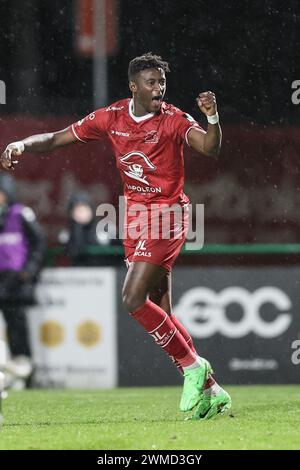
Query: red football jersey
x=148 y=149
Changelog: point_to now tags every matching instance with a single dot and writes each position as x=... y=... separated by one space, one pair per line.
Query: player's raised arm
x=36 y=143
x=208 y=143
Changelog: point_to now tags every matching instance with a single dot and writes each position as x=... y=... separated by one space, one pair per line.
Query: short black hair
x=146 y=61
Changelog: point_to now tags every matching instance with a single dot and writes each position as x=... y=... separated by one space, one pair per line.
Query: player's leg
x=140 y=281
x=214 y=399
x=161 y=295
x=143 y=280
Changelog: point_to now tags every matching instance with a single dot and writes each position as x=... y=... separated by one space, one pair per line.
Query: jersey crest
x=136 y=165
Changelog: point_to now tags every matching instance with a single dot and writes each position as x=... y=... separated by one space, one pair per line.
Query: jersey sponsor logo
x=136 y=164
x=144 y=189
x=80 y=122
x=121 y=134
x=91 y=116
x=151 y=137
x=204 y=312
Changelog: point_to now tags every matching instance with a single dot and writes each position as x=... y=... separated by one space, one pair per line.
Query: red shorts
x=156 y=235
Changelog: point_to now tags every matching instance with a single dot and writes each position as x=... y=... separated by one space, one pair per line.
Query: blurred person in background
x=22 y=245
x=83 y=237
x=148 y=137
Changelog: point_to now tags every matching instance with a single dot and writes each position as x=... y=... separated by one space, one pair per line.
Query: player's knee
x=133 y=300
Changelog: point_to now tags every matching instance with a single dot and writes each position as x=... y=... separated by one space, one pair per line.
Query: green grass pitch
x=262 y=417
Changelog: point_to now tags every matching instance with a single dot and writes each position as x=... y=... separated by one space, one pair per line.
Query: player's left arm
x=208 y=143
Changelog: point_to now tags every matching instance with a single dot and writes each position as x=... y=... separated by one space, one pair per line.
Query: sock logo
x=164 y=339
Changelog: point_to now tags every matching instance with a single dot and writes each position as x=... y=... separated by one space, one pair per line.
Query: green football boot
x=194 y=380
x=210 y=406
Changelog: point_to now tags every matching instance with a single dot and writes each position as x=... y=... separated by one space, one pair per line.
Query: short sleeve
x=184 y=122
x=92 y=127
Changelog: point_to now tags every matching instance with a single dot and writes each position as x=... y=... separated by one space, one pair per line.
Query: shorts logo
x=136 y=163
x=141 y=250
x=141 y=245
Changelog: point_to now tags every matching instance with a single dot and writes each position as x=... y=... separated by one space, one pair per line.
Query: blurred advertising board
x=245 y=320
x=73 y=328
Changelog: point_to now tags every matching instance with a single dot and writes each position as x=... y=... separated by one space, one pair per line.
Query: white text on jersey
x=122 y=134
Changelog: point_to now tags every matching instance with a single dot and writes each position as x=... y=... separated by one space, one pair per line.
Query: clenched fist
x=207 y=103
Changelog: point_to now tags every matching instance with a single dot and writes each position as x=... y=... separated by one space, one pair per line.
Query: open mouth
x=157 y=98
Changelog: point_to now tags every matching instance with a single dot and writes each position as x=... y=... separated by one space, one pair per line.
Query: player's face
x=150 y=88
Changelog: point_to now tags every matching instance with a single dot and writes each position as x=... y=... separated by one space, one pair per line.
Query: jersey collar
x=138 y=118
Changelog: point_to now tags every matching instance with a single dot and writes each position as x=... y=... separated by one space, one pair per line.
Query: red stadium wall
x=251 y=194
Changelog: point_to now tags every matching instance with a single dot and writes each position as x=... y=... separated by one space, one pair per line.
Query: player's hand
x=207 y=103
x=13 y=150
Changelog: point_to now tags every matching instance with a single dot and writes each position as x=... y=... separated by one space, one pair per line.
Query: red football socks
x=166 y=334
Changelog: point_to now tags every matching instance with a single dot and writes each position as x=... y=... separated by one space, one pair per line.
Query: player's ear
x=132 y=86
